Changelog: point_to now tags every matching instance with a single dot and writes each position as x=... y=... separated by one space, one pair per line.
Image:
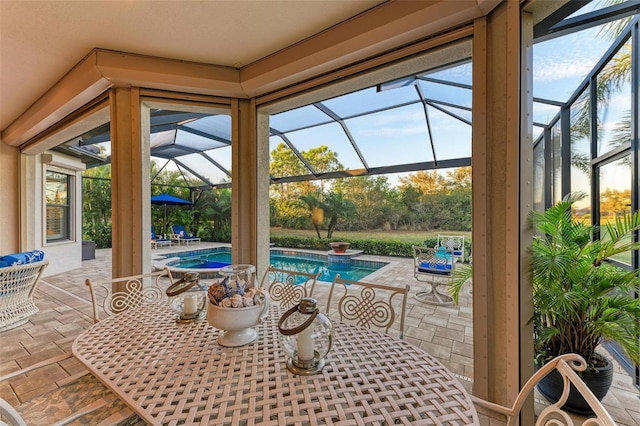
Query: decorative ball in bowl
x=236 y=309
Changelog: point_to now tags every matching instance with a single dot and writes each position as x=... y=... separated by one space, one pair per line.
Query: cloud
x=559 y=69
x=569 y=57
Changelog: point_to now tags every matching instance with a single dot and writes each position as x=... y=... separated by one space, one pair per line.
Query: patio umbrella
x=168 y=200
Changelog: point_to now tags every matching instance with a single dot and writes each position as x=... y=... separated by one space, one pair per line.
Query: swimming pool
x=210 y=260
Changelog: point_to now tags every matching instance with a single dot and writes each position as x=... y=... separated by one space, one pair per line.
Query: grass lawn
x=414 y=237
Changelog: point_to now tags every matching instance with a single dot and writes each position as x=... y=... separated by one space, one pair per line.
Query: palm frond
x=462 y=274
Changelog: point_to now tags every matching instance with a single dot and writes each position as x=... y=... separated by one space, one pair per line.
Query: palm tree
x=215 y=211
x=316 y=208
x=337 y=207
x=611 y=80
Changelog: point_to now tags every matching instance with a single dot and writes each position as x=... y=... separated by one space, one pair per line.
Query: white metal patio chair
x=567 y=365
x=288 y=287
x=437 y=268
x=370 y=305
x=17 y=284
x=138 y=289
x=453 y=243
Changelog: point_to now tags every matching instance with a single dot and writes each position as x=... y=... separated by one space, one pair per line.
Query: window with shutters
x=58 y=187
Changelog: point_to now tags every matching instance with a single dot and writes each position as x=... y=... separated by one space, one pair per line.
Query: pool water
x=291 y=260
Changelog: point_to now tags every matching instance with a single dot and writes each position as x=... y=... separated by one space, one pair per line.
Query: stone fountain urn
x=339 y=246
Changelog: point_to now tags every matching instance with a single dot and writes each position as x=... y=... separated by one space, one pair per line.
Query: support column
x=10 y=198
x=243 y=178
x=501 y=194
x=262 y=195
x=130 y=193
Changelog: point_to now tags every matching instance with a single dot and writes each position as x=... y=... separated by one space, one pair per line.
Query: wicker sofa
x=19 y=275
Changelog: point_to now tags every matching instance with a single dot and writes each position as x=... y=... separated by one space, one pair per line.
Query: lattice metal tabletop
x=172 y=373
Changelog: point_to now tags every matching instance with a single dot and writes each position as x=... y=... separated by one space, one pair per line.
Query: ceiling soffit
x=341 y=45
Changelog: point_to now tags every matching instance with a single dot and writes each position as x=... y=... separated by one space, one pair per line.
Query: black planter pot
x=597 y=380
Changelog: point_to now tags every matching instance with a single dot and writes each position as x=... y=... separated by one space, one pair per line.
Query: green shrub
x=220 y=234
x=99 y=234
x=368 y=246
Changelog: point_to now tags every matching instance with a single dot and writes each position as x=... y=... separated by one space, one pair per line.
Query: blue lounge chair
x=158 y=241
x=179 y=234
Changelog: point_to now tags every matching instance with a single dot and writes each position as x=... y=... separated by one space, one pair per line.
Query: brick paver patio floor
x=65 y=311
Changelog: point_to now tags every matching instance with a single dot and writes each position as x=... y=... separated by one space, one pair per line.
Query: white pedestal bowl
x=237 y=323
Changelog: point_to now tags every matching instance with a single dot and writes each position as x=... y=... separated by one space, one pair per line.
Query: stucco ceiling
x=42 y=40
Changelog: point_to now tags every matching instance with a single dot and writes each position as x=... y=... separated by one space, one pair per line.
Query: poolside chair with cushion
x=369 y=305
x=132 y=291
x=19 y=276
x=288 y=287
x=567 y=365
x=157 y=241
x=455 y=243
x=180 y=235
x=436 y=267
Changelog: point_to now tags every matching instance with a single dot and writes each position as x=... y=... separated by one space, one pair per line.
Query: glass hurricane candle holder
x=306 y=337
x=188 y=298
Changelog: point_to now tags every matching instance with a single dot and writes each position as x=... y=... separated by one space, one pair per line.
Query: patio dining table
x=177 y=373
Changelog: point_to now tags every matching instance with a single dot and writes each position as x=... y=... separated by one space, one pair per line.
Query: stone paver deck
x=65 y=311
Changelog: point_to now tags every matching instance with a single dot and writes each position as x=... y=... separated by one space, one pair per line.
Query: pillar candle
x=190 y=304
x=305 y=344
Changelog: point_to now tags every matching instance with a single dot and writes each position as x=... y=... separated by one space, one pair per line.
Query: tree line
x=425 y=200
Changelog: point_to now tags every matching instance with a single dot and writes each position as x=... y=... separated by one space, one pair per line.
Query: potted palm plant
x=580 y=298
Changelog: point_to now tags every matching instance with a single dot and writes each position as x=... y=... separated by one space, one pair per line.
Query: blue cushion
x=442 y=250
x=435 y=268
x=21 y=258
x=442 y=253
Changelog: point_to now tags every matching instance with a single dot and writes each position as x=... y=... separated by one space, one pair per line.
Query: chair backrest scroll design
x=288 y=287
x=368 y=305
x=119 y=294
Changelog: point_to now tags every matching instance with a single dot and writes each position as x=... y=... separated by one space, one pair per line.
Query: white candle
x=190 y=304
x=305 y=344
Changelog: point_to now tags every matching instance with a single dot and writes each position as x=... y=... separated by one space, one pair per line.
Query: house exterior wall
x=22 y=178
x=64 y=255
